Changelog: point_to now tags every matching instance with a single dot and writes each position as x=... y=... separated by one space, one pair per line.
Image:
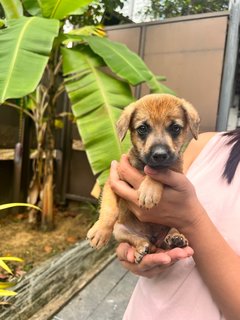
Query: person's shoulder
x=202 y=140
x=195 y=147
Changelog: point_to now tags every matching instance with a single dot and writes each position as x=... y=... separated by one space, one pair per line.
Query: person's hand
x=152 y=264
x=179 y=206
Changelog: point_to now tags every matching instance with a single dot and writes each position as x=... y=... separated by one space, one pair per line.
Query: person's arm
x=217 y=263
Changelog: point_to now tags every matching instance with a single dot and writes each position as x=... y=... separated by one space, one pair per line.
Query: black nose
x=159 y=156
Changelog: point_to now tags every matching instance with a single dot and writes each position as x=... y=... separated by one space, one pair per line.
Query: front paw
x=149 y=194
x=99 y=236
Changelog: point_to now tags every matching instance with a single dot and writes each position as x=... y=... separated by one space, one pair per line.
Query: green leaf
x=59 y=9
x=5 y=266
x=75 y=35
x=125 y=63
x=157 y=87
x=4 y=285
x=11 y=259
x=2 y=23
x=33 y=7
x=24 y=49
x=97 y=101
x=11 y=205
x=12 y=8
x=7 y=293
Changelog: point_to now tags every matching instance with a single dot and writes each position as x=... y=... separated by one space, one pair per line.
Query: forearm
x=217 y=263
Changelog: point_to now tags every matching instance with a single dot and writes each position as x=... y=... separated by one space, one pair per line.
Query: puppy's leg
x=142 y=245
x=174 y=239
x=149 y=193
x=101 y=232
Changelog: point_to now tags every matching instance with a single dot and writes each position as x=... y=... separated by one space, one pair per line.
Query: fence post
x=230 y=61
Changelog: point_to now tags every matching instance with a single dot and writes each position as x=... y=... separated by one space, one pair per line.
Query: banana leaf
x=7 y=293
x=32 y=7
x=16 y=204
x=59 y=9
x=5 y=285
x=125 y=63
x=12 y=8
x=24 y=49
x=97 y=101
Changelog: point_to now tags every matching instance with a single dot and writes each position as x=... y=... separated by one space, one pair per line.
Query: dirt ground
x=34 y=246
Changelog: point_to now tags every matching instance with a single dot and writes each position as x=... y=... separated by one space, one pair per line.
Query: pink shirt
x=179 y=293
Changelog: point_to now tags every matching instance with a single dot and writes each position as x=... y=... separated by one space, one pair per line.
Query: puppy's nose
x=159 y=156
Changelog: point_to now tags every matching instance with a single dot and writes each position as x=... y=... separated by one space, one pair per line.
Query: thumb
x=125 y=252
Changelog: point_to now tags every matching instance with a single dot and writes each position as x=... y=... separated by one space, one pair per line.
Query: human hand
x=179 y=206
x=152 y=264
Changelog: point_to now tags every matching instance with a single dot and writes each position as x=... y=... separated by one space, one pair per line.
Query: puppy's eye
x=142 y=130
x=175 y=129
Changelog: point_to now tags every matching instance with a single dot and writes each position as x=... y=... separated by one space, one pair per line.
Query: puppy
x=158 y=125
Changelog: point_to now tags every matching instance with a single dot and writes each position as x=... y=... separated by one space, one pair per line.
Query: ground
x=34 y=246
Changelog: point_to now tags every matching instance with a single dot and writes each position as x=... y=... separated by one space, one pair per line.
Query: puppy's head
x=158 y=124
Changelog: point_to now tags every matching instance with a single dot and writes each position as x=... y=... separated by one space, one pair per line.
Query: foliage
x=11 y=205
x=95 y=13
x=173 y=8
x=33 y=48
x=5 y=285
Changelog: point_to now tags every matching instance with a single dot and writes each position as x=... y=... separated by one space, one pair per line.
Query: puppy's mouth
x=160 y=157
x=160 y=165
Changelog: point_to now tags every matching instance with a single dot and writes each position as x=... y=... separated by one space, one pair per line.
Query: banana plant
x=35 y=52
x=4 y=286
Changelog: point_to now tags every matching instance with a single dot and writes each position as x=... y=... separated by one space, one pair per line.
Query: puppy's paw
x=149 y=193
x=99 y=236
x=141 y=250
x=175 y=240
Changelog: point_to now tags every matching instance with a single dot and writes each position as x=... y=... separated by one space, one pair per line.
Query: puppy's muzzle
x=160 y=156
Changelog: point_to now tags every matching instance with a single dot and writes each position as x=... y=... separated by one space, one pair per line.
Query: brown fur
x=159 y=114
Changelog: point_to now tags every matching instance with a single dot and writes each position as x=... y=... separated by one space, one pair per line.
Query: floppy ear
x=192 y=117
x=124 y=120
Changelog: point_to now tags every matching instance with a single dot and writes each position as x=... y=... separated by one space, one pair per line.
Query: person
x=201 y=281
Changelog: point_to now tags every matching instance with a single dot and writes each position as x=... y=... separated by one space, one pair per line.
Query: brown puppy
x=158 y=124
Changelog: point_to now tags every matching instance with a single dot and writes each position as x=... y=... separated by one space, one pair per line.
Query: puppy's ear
x=192 y=117
x=124 y=120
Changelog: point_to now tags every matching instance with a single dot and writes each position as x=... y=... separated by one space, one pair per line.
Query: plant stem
x=15 y=106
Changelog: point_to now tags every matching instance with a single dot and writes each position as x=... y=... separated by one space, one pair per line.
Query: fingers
x=128 y=173
x=173 y=179
x=125 y=252
x=148 y=266
x=151 y=264
x=180 y=253
x=120 y=187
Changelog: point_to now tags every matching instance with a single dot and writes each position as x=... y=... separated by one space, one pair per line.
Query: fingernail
x=114 y=163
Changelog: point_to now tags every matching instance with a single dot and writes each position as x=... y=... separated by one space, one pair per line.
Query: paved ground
x=104 y=298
